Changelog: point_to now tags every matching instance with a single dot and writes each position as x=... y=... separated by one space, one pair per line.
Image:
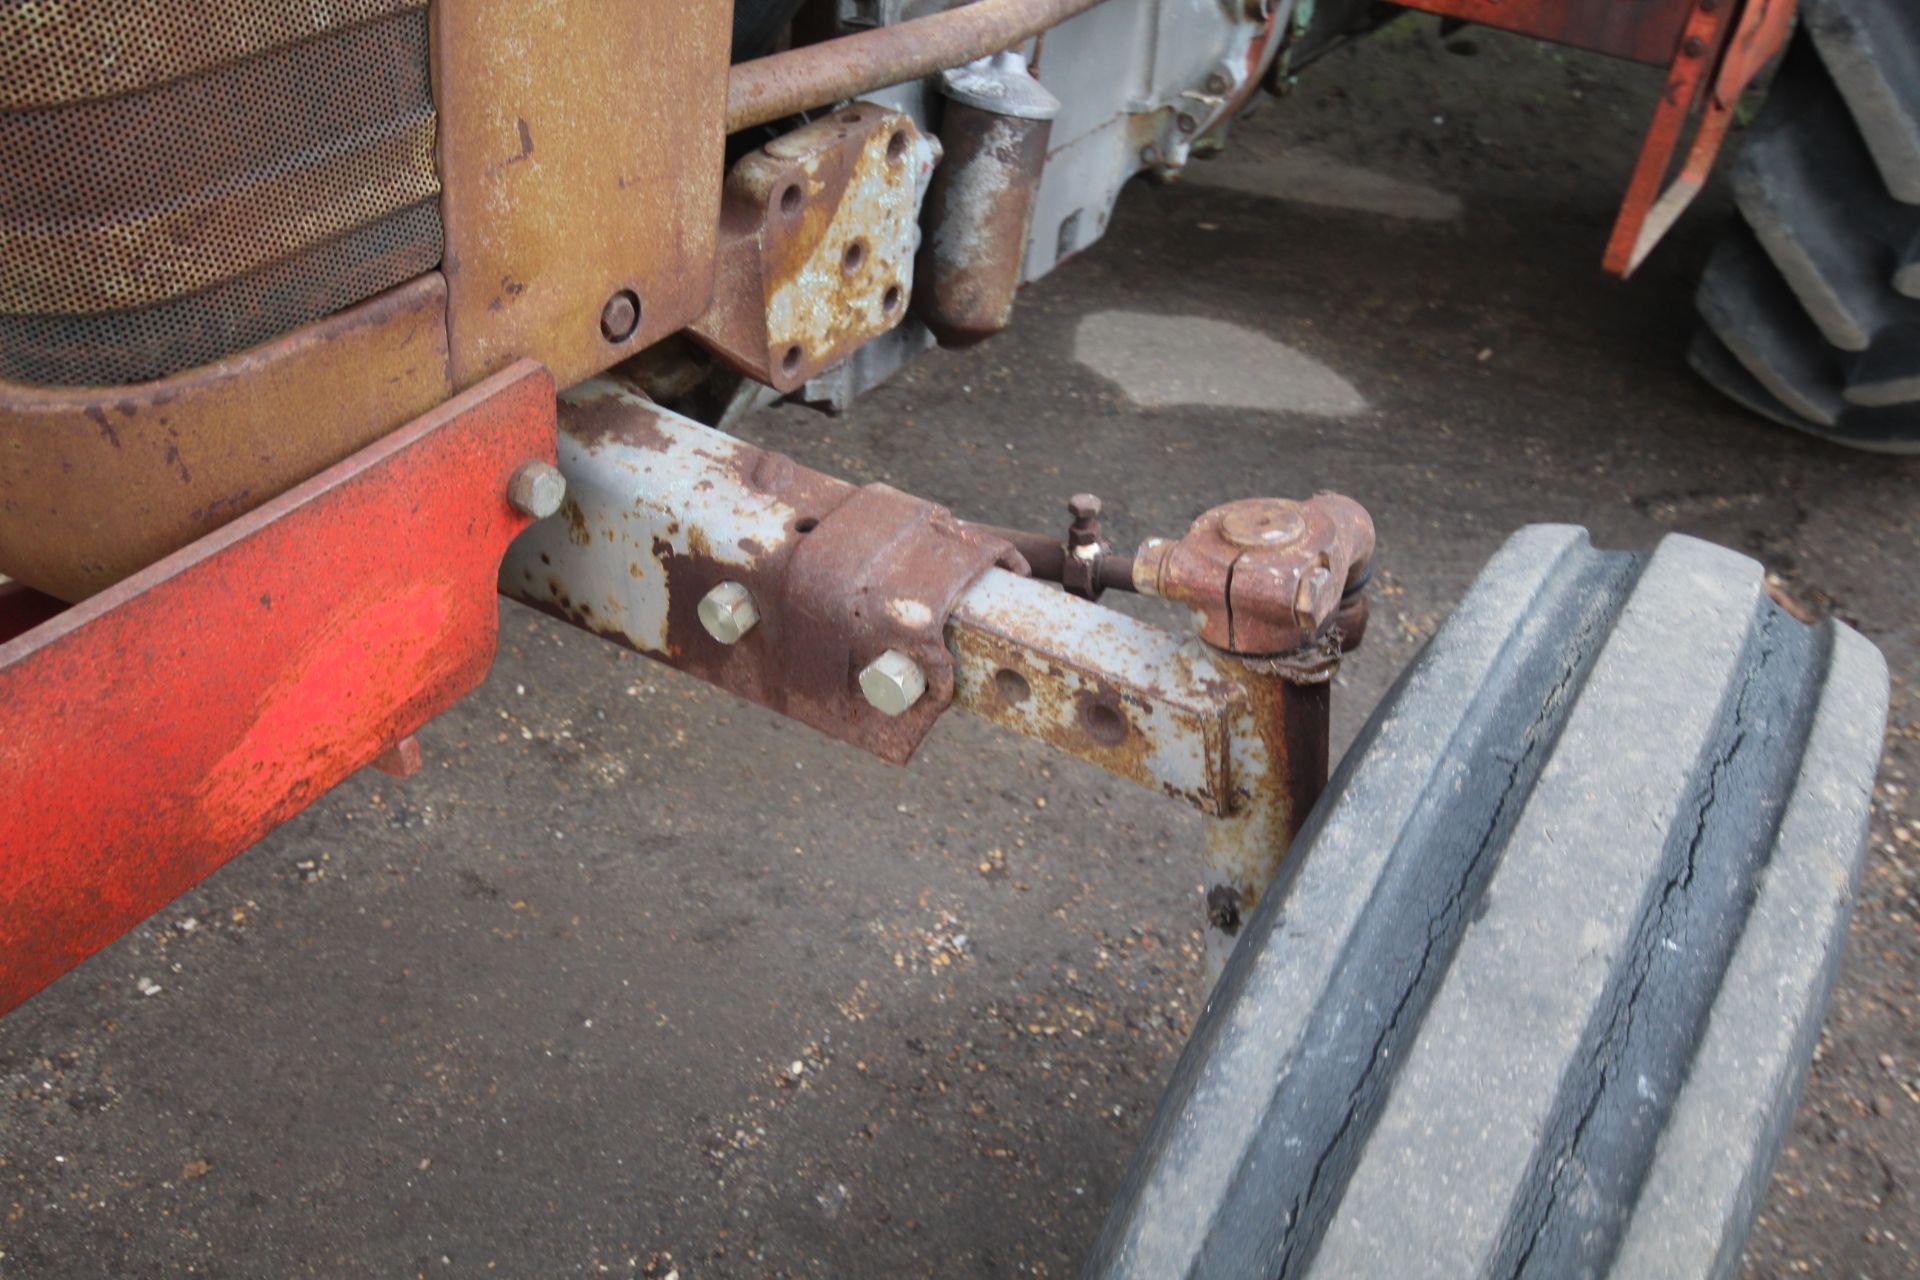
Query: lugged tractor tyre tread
x=1536 y=990
x=1815 y=290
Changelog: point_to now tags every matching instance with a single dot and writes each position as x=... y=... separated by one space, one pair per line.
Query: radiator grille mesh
x=245 y=173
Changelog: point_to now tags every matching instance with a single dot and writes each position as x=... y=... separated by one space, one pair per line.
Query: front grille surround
x=230 y=187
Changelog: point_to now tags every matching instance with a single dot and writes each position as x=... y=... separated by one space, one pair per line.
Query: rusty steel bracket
x=878 y=574
x=865 y=612
x=1243 y=740
x=822 y=579
x=1264 y=576
x=818 y=231
x=167 y=723
x=1123 y=695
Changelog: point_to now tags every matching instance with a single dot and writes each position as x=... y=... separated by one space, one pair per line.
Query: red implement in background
x=1708 y=83
x=1707 y=71
x=152 y=732
x=1641 y=30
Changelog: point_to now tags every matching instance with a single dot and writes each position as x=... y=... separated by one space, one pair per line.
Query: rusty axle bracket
x=866 y=612
x=879 y=573
x=662 y=511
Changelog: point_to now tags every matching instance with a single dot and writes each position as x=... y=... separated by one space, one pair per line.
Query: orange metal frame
x=1712 y=50
x=1709 y=73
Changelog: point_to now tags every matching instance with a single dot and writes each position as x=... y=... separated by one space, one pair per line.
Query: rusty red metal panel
x=1643 y=30
x=164 y=725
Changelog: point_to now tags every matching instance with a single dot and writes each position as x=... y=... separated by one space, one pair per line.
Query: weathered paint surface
x=98 y=482
x=1121 y=694
x=645 y=486
x=168 y=723
x=1280 y=758
x=1709 y=72
x=818 y=235
x=581 y=155
x=661 y=510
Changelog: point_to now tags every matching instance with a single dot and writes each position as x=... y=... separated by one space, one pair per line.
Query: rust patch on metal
x=96 y=483
x=1117 y=694
x=876 y=570
x=837 y=574
x=581 y=154
x=879 y=571
x=817 y=238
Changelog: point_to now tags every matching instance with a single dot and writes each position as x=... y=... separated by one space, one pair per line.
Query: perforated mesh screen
x=242 y=178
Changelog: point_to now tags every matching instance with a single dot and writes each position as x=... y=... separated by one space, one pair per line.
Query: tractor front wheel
x=1536 y=988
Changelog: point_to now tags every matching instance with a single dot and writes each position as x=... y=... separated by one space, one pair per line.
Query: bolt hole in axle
x=1011 y=685
x=1105 y=723
x=791 y=199
x=897 y=146
x=890 y=300
x=790 y=361
x=855 y=257
x=806 y=524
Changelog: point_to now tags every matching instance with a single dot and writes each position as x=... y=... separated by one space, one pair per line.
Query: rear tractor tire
x=1811 y=302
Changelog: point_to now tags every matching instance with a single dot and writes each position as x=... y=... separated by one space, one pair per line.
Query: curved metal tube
x=815 y=75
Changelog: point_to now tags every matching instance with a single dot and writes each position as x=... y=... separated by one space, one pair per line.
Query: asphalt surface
x=636 y=979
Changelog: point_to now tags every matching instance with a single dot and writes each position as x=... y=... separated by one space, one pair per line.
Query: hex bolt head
x=1084 y=506
x=727 y=612
x=620 y=317
x=892 y=682
x=537 y=489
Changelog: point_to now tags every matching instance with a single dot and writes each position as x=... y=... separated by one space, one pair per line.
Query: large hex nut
x=892 y=682
x=727 y=612
x=537 y=489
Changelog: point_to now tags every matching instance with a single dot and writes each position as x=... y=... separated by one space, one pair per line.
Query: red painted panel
x=1643 y=30
x=154 y=731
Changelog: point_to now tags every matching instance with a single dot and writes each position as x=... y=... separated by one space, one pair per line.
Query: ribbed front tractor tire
x=1811 y=304
x=1537 y=988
